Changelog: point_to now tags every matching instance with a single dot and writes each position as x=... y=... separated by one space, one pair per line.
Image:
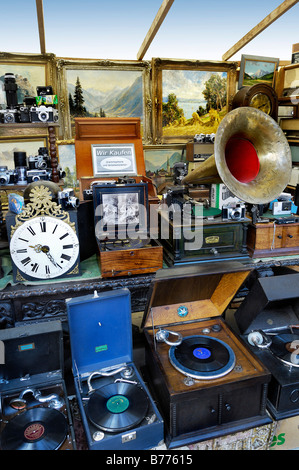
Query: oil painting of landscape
x=159 y=165
x=105 y=93
x=193 y=101
x=254 y=70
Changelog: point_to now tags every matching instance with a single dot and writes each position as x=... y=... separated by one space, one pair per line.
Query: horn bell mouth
x=252 y=155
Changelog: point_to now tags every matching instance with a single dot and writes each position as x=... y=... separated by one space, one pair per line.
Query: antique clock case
x=189 y=301
x=261 y=96
x=43 y=239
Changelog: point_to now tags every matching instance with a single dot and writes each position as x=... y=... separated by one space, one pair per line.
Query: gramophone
x=253 y=159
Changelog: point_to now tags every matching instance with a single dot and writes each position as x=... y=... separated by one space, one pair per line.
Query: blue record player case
x=116 y=407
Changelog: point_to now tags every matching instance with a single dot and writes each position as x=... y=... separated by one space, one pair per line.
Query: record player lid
x=100 y=328
x=31 y=351
x=272 y=302
x=193 y=292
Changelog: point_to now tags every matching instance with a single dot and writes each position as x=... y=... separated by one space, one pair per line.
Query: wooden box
x=90 y=131
x=270 y=239
x=218 y=396
x=120 y=252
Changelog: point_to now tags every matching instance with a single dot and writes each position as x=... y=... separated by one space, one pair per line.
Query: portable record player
x=268 y=319
x=205 y=378
x=34 y=407
x=116 y=408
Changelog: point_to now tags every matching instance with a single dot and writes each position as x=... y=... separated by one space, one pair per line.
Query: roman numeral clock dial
x=44 y=247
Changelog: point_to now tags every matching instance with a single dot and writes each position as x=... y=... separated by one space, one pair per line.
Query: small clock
x=44 y=243
x=260 y=96
x=44 y=248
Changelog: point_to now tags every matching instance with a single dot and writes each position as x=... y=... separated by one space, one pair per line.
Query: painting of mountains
x=105 y=93
x=255 y=70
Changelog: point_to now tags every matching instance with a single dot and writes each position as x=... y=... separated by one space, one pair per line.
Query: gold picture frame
x=159 y=66
x=83 y=67
x=29 y=63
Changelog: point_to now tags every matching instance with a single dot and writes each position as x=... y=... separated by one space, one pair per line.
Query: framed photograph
x=113 y=159
x=256 y=69
x=120 y=211
x=105 y=89
x=191 y=97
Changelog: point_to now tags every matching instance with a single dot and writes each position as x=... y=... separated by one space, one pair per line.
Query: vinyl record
x=117 y=407
x=286 y=348
x=35 y=429
x=202 y=357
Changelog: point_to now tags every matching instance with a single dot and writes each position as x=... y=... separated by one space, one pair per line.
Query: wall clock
x=43 y=242
x=260 y=96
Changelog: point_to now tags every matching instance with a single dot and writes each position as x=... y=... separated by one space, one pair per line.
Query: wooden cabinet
x=270 y=239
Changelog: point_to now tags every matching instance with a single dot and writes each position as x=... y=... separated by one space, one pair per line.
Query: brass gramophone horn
x=251 y=157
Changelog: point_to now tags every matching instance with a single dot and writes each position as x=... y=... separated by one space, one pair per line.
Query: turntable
x=35 y=412
x=268 y=319
x=206 y=380
x=116 y=408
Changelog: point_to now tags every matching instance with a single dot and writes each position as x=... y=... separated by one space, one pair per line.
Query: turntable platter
x=117 y=406
x=286 y=348
x=35 y=429
x=202 y=357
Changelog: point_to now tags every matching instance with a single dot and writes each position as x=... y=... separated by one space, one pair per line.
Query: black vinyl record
x=117 y=407
x=35 y=429
x=201 y=354
x=286 y=348
x=202 y=357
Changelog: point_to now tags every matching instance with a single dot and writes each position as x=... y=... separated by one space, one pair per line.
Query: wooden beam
x=41 y=26
x=267 y=21
x=163 y=10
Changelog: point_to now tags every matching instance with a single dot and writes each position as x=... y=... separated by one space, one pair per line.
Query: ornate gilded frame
x=64 y=64
x=46 y=60
x=158 y=65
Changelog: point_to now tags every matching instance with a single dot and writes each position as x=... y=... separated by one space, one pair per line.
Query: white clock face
x=44 y=247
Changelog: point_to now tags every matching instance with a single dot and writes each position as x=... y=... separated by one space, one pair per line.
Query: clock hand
x=37 y=248
x=44 y=249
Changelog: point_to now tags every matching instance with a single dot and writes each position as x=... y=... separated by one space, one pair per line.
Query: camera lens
x=19 y=159
x=43 y=116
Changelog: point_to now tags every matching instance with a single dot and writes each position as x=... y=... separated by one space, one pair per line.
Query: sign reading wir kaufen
x=113 y=159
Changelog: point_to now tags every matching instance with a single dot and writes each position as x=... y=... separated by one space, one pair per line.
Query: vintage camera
x=43 y=114
x=67 y=199
x=40 y=161
x=24 y=114
x=9 y=115
x=6 y=176
x=36 y=175
x=44 y=90
x=204 y=138
x=233 y=211
x=282 y=207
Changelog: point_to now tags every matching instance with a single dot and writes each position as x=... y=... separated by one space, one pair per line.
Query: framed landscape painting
x=255 y=69
x=191 y=97
x=105 y=89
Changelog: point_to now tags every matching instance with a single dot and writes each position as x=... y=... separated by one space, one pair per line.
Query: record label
x=34 y=431
x=202 y=353
x=117 y=404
